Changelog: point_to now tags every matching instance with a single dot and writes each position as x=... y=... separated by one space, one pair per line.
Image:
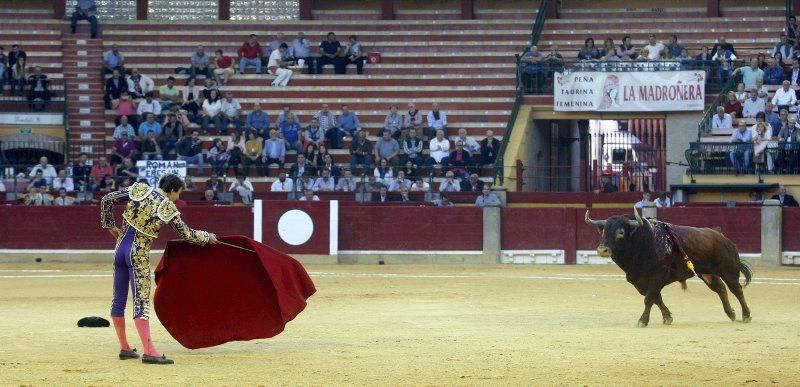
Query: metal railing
x=773 y=157
x=538 y=24
x=704 y=127
x=537 y=77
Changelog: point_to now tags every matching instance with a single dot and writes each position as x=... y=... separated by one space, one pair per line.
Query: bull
x=655 y=254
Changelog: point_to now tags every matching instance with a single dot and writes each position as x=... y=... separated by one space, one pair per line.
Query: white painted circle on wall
x=295 y=227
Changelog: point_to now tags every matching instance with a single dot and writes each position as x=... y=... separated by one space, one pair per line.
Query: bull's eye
x=620 y=234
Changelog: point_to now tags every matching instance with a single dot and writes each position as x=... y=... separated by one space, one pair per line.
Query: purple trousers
x=132 y=271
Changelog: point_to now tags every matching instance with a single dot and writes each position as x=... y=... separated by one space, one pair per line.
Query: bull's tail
x=744 y=268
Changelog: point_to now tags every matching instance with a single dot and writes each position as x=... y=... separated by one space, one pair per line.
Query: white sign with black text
x=152 y=170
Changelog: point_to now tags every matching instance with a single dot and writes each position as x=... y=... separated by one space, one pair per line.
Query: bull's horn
x=639 y=220
x=596 y=223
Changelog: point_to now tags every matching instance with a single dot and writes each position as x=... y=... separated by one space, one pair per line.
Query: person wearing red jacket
x=250 y=54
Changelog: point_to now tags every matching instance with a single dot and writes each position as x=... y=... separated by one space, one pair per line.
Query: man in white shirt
x=346 y=183
x=148 y=105
x=324 y=182
x=48 y=172
x=275 y=64
x=449 y=184
x=139 y=84
x=244 y=188
x=721 y=120
x=399 y=181
x=437 y=120
x=469 y=143
x=420 y=186
x=753 y=105
x=784 y=97
x=231 y=110
x=308 y=195
x=646 y=201
x=283 y=184
x=654 y=48
x=439 y=149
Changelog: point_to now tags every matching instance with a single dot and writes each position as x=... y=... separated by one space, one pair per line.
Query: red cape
x=210 y=295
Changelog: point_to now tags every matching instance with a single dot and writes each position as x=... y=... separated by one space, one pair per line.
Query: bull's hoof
x=641 y=324
x=668 y=320
x=732 y=316
x=747 y=319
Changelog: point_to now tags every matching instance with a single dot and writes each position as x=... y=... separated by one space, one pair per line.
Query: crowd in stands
x=15 y=71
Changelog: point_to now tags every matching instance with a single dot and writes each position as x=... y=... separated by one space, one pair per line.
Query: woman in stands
x=761 y=142
x=218 y=157
x=19 y=73
x=626 y=51
x=589 y=51
x=321 y=152
x=608 y=52
x=383 y=174
x=732 y=106
x=741 y=94
x=235 y=149
x=191 y=95
x=312 y=154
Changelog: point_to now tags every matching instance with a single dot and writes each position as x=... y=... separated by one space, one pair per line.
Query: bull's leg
x=736 y=289
x=665 y=313
x=649 y=299
x=715 y=283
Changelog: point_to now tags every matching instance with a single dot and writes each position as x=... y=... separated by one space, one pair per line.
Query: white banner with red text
x=657 y=91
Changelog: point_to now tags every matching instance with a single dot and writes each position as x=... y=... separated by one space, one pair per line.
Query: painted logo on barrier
x=295 y=227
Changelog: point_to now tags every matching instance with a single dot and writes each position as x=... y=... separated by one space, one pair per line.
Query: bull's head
x=614 y=231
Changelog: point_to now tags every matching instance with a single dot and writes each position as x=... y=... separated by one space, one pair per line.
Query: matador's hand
x=212 y=239
x=115 y=232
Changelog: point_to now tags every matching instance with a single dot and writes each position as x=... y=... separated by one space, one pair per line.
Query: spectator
x=99 y=171
x=63 y=199
x=113 y=60
x=308 y=195
x=39 y=91
x=393 y=123
x=412 y=119
x=646 y=201
x=763 y=92
x=372 y=185
x=124 y=108
x=250 y=54
x=721 y=120
x=784 y=97
x=231 y=110
x=190 y=150
x=753 y=105
x=291 y=134
x=740 y=157
x=257 y=120
x=411 y=170
x=674 y=47
x=48 y=172
x=151 y=150
x=169 y=94
x=732 y=106
x=283 y=184
x=654 y=48
x=473 y=184
x=276 y=66
x=750 y=74
x=313 y=134
x=236 y=150
x=81 y=171
x=383 y=173
x=126 y=169
x=3 y=69
x=449 y=184
x=589 y=51
x=208 y=87
x=346 y=183
x=793 y=74
x=212 y=112
x=328 y=165
x=360 y=151
x=39 y=197
x=761 y=140
x=287 y=112
x=388 y=149
x=150 y=125
x=742 y=94
x=191 y=97
x=124 y=148
x=606 y=185
x=382 y=196
x=487 y=198
x=354 y=54
x=439 y=149
x=300 y=52
x=443 y=201
x=412 y=147
x=36 y=180
x=420 y=186
x=225 y=68
x=209 y=196
x=684 y=59
x=214 y=184
x=218 y=157
x=774 y=73
x=274 y=150
x=331 y=52
x=404 y=195
x=148 y=106
x=324 y=182
x=460 y=160
x=19 y=76
x=139 y=85
x=469 y=143
x=327 y=123
x=704 y=59
x=399 y=181
x=784 y=48
x=724 y=59
x=171 y=133
x=123 y=127
x=85 y=10
x=243 y=187
x=722 y=44
x=489 y=148
x=436 y=121
x=349 y=124
x=608 y=52
x=200 y=63
x=302 y=168
x=115 y=86
x=770 y=115
x=62 y=181
x=254 y=151
x=784 y=198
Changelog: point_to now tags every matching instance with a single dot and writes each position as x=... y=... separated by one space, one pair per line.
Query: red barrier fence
x=791 y=226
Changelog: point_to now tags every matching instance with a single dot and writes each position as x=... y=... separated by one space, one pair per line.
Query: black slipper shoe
x=128 y=354
x=147 y=359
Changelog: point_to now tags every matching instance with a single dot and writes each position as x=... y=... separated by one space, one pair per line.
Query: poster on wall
x=152 y=170
x=656 y=91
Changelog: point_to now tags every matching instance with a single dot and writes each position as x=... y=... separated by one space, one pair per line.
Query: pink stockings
x=143 y=327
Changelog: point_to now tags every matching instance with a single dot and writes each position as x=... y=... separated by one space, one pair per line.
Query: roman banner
x=656 y=91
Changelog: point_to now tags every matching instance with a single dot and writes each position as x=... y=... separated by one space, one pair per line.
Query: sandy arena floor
x=421 y=325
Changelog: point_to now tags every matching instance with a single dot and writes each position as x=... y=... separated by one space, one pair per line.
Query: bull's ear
x=600 y=230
